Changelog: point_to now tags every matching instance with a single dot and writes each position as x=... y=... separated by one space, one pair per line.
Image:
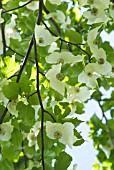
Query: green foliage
x=73 y=36
x=41 y=105
x=63 y=161
x=11 y=90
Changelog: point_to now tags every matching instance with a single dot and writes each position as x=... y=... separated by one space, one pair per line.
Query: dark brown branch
x=51 y=19
x=4 y=114
x=21 y=55
x=41 y=104
x=16 y=7
x=108 y=126
x=3 y=39
x=3 y=34
x=50 y=115
x=25 y=60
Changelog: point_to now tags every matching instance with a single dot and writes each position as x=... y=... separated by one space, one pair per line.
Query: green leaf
x=17 y=137
x=24 y=84
x=6 y=165
x=108 y=105
x=10 y=152
x=63 y=161
x=101 y=155
x=79 y=108
x=48 y=166
x=73 y=36
x=11 y=66
x=110 y=57
x=79 y=142
x=33 y=100
x=111 y=124
x=11 y=90
x=26 y=113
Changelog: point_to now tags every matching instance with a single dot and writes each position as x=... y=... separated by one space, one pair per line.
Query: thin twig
x=108 y=126
x=51 y=19
x=25 y=60
x=17 y=7
x=50 y=115
x=4 y=113
x=3 y=34
x=40 y=101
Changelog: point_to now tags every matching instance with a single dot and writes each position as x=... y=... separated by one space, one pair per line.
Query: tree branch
x=108 y=126
x=16 y=7
x=40 y=101
x=25 y=60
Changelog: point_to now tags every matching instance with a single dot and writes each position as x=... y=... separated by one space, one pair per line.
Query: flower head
x=33 y=5
x=91 y=39
x=102 y=66
x=56 y=2
x=64 y=133
x=58 y=16
x=11 y=32
x=78 y=93
x=55 y=77
x=5 y=131
x=97 y=12
x=43 y=37
x=63 y=57
x=12 y=107
x=32 y=136
x=89 y=75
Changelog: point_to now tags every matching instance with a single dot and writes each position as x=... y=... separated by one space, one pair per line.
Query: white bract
x=1 y=19
x=67 y=24
x=33 y=5
x=64 y=133
x=56 y=2
x=11 y=32
x=32 y=140
x=88 y=76
x=63 y=57
x=53 y=47
x=102 y=66
x=43 y=36
x=12 y=107
x=58 y=16
x=78 y=93
x=5 y=131
x=32 y=136
x=97 y=12
x=2 y=96
x=55 y=76
x=91 y=39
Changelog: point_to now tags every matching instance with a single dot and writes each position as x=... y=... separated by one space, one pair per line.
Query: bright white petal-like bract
x=43 y=37
x=56 y=84
x=56 y=2
x=62 y=132
x=5 y=131
x=12 y=108
x=58 y=16
x=63 y=57
x=33 y=5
